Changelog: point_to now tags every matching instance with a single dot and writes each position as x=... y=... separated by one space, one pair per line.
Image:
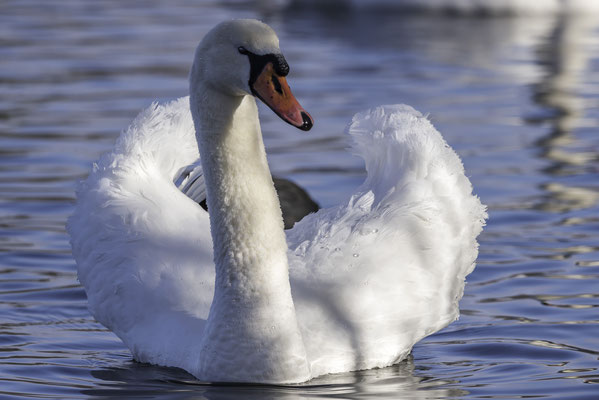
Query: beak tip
x=307 y=122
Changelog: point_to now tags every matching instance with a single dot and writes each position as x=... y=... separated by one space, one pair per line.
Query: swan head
x=242 y=57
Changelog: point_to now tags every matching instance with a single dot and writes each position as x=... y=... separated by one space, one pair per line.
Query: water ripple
x=516 y=97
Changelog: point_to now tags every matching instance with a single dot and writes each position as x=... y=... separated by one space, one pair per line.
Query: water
x=518 y=98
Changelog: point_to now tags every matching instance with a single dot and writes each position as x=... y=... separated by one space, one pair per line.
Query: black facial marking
x=277 y=84
x=258 y=62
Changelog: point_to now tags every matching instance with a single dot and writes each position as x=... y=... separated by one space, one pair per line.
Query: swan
x=227 y=295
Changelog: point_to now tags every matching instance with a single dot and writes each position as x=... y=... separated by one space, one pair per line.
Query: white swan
x=359 y=284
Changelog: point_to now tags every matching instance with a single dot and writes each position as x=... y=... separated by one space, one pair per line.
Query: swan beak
x=274 y=91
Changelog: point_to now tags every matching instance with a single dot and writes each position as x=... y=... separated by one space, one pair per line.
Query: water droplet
x=356 y=255
x=368 y=231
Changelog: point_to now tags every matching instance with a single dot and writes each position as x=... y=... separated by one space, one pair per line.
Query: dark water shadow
x=136 y=380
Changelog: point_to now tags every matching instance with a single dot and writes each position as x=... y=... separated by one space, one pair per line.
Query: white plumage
x=369 y=278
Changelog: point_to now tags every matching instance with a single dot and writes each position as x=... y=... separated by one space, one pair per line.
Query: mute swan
x=350 y=287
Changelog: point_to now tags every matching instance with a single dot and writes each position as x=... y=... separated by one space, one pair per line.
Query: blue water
x=518 y=98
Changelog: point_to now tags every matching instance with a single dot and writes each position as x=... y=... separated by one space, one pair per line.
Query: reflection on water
x=516 y=97
x=143 y=380
x=561 y=93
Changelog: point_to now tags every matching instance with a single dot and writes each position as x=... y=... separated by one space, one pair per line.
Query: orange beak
x=273 y=90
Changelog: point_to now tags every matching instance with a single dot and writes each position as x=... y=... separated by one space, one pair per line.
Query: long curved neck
x=252 y=291
x=245 y=215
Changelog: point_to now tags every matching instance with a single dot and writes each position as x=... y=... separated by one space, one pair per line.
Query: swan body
x=230 y=296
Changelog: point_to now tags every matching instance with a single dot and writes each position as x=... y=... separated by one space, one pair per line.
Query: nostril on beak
x=308 y=123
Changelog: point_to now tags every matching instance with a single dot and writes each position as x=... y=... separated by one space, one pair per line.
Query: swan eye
x=242 y=50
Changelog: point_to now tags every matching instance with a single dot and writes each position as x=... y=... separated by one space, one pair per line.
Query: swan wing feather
x=375 y=274
x=191 y=182
x=143 y=248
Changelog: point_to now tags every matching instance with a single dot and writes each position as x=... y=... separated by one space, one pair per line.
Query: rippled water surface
x=518 y=98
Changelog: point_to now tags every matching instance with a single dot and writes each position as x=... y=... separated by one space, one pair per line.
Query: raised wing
x=143 y=249
x=386 y=267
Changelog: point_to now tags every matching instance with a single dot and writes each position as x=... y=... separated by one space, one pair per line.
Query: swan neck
x=245 y=214
x=252 y=318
